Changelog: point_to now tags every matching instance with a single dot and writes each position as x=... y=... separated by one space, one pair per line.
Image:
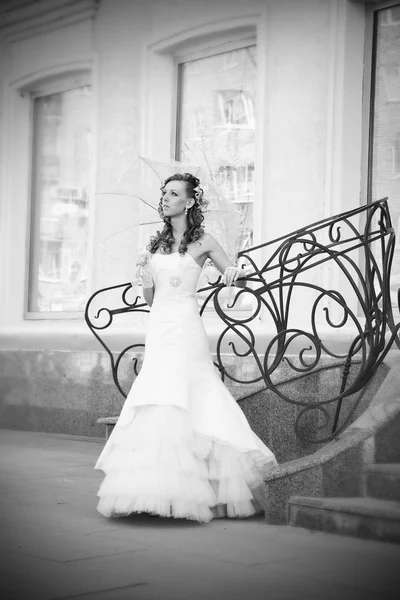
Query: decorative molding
x=244 y=25
x=20 y=19
x=36 y=81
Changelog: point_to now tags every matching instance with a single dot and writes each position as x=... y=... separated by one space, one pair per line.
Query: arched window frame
x=162 y=65
x=18 y=142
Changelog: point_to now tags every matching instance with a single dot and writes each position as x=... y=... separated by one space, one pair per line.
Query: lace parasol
x=128 y=205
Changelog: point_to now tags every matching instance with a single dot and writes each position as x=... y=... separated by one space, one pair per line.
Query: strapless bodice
x=175 y=276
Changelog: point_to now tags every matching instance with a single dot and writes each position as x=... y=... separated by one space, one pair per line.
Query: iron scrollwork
x=356 y=249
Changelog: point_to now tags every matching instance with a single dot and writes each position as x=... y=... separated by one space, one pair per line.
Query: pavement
x=54 y=545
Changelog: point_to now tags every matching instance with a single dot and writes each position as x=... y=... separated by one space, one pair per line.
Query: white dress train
x=182 y=446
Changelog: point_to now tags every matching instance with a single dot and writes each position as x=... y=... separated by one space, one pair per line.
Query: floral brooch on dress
x=175 y=281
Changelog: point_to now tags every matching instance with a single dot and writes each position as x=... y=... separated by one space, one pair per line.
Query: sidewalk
x=55 y=545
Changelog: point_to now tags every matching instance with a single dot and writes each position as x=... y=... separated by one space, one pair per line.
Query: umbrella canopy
x=128 y=215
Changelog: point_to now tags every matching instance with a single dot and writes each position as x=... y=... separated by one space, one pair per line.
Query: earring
x=186 y=210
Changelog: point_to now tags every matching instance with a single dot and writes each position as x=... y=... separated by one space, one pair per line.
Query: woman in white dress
x=182 y=446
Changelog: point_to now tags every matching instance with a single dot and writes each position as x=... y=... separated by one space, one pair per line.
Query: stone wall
x=66 y=392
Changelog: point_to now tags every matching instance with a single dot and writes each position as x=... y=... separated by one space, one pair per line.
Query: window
x=216 y=125
x=61 y=166
x=391 y=16
x=384 y=173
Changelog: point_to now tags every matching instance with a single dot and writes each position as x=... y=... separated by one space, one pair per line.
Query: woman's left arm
x=231 y=275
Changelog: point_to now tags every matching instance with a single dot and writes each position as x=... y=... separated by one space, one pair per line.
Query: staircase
x=374 y=515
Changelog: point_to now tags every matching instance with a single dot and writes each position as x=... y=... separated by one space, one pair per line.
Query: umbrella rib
x=129 y=196
x=123 y=231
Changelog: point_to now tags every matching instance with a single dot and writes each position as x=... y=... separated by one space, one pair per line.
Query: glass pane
x=61 y=172
x=217 y=125
x=386 y=132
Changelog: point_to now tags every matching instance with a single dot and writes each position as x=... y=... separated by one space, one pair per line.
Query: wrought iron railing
x=289 y=280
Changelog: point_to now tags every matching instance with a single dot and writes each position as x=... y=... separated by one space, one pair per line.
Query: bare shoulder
x=208 y=242
x=206 y=246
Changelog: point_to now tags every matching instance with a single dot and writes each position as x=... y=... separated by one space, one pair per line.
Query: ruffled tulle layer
x=156 y=463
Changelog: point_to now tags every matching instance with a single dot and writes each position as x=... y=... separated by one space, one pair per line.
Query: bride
x=182 y=446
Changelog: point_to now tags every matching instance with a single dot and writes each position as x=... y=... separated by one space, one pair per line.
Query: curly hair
x=164 y=240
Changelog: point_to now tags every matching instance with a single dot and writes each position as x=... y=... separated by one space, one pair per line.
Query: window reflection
x=61 y=167
x=216 y=127
x=385 y=180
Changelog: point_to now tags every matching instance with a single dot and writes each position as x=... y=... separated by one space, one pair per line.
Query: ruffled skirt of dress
x=182 y=446
x=155 y=462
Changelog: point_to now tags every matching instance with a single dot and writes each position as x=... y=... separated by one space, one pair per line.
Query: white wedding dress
x=182 y=446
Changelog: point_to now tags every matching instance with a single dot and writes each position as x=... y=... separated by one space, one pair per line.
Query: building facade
x=292 y=105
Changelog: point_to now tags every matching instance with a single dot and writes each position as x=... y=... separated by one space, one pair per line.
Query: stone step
x=109 y=422
x=383 y=481
x=367 y=518
x=387 y=439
